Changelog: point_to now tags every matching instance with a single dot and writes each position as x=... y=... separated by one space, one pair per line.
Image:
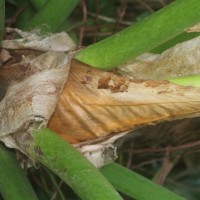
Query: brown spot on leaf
x=155 y=83
x=137 y=81
x=86 y=80
x=114 y=83
x=103 y=82
x=17 y=72
x=119 y=84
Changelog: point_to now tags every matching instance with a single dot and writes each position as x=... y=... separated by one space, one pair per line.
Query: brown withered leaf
x=89 y=108
x=111 y=104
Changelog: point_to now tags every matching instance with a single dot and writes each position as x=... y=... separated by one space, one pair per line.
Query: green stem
x=135 y=185
x=142 y=37
x=2 y=19
x=51 y=15
x=72 y=167
x=14 y=184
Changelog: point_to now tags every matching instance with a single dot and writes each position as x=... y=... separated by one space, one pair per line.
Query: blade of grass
x=14 y=184
x=144 y=36
x=135 y=185
x=51 y=15
x=72 y=167
x=2 y=18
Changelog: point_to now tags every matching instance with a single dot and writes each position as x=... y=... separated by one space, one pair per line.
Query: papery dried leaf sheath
x=181 y=60
x=109 y=104
x=30 y=90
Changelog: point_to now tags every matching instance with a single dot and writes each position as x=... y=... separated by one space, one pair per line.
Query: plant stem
x=135 y=185
x=14 y=184
x=142 y=37
x=51 y=15
x=72 y=167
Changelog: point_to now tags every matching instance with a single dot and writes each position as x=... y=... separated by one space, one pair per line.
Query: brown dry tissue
x=87 y=107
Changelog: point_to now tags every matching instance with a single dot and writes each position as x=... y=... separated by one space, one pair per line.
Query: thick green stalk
x=72 y=167
x=142 y=37
x=2 y=18
x=51 y=15
x=135 y=185
x=14 y=184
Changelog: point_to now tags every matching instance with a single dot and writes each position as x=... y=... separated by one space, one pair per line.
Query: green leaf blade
x=135 y=185
x=142 y=37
